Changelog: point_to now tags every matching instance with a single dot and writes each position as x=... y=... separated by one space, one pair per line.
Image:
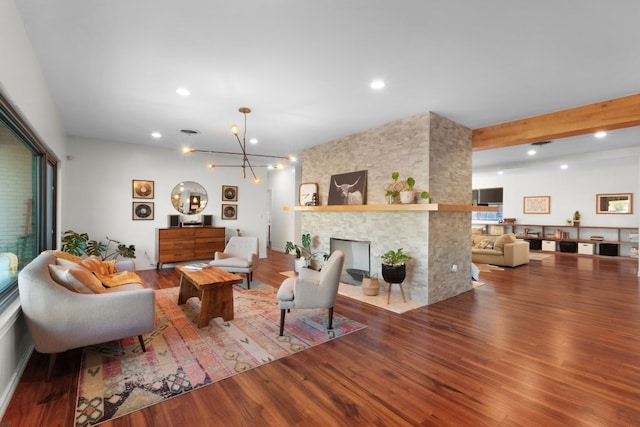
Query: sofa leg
x=52 y=362
x=144 y=349
x=249 y=280
x=282 y=314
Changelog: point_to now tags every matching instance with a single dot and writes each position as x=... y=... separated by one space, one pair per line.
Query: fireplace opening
x=356 y=259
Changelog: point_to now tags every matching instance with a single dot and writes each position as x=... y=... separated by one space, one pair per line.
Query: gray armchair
x=239 y=256
x=312 y=289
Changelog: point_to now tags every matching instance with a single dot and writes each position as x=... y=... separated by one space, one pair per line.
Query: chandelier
x=246 y=163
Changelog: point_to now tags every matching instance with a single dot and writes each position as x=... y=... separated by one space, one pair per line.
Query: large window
x=27 y=199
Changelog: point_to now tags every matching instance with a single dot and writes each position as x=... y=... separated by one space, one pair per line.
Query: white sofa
x=59 y=319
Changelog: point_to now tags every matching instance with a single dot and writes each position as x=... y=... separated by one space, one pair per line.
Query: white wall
x=284 y=193
x=98 y=200
x=570 y=190
x=22 y=83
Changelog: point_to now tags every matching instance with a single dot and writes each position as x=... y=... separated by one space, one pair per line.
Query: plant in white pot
x=394 y=266
x=305 y=258
x=408 y=195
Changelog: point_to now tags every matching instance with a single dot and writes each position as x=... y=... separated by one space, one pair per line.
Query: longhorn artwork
x=348 y=189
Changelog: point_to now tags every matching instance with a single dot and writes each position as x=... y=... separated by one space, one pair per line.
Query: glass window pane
x=18 y=206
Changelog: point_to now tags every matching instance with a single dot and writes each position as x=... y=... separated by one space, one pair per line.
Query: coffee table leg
x=216 y=302
x=187 y=290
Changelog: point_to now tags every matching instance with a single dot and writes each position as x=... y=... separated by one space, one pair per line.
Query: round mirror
x=189 y=198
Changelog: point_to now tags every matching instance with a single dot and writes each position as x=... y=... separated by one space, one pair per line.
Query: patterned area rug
x=117 y=378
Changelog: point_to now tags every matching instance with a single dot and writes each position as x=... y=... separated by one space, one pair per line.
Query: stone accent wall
x=449 y=232
x=420 y=146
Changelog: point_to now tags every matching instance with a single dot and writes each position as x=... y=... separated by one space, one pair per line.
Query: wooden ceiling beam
x=606 y=115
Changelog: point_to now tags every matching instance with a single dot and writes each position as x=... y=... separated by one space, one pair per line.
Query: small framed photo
x=306 y=192
x=229 y=193
x=229 y=212
x=142 y=210
x=142 y=189
x=536 y=204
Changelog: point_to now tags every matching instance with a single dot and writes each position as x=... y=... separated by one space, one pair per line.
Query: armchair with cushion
x=66 y=306
x=239 y=256
x=312 y=289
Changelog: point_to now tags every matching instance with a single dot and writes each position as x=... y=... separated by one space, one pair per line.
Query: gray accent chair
x=59 y=319
x=312 y=289
x=239 y=256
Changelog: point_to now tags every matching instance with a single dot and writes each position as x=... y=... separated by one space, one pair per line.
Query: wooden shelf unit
x=578 y=234
x=176 y=244
x=423 y=207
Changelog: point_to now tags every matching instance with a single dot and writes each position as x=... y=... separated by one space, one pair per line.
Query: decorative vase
x=407 y=197
x=394 y=273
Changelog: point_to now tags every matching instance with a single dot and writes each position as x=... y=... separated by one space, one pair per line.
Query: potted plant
x=79 y=244
x=393 y=189
x=394 y=266
x=407 y=195
x=576 y=218
x=304 y=254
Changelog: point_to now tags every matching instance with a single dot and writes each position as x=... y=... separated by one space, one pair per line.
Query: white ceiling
x=304 y=67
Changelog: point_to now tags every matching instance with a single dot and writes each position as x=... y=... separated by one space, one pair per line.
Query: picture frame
x=229 y=212
x=536 y=204
x=306 y=191
x=229 y=193
x=142 y=210
x=348 y=188
x=616 y=204
x=142 y=189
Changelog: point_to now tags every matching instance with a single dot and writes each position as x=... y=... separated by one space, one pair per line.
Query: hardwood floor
x=552 y=343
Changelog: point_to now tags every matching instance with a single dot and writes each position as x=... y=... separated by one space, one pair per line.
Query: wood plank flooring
x=552 y=343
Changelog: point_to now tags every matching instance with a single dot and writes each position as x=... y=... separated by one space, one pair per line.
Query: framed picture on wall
x=229 y=212
x=229 y=193
x=142 y=210
x=348 y=188
x=536 y=204
x=142 y=189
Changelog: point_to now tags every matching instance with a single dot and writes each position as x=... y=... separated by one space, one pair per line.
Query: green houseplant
x=305 y=257
x=394 y=266
x=576 y=218
x=80 y=244
x=392 y=190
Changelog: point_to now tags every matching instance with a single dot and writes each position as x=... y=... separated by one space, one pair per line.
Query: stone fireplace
x=436 y=152
x=357 y=258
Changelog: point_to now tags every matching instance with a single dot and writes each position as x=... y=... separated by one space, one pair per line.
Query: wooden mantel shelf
x=433 y=207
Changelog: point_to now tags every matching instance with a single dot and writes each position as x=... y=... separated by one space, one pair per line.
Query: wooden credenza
x=189 y=243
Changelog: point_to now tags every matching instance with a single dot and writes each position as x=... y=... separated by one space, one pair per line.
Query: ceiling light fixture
x=377 y=84
x=600 y=134
x=156 y=135
x=246 y=163
x=183 y=91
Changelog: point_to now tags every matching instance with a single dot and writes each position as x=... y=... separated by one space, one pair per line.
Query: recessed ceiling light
x=531 y=152
x=253 y=141
x=500 y=172
x=183 y=91
x=600 y=134
x=565 y=166
x=377 y=84
x=156 y=134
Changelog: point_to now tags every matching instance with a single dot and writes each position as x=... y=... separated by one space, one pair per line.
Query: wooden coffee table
x=213 y=286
